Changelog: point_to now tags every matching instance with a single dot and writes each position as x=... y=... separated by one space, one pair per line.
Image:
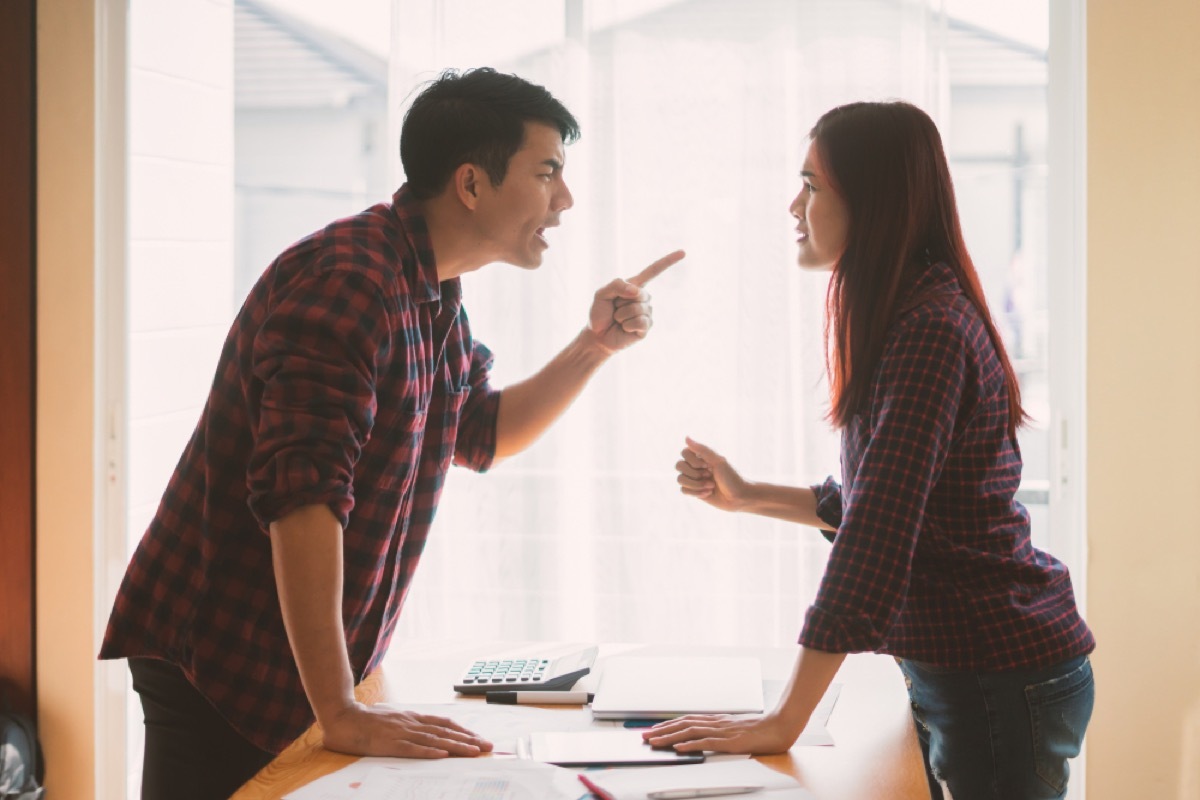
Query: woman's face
x=822 y=216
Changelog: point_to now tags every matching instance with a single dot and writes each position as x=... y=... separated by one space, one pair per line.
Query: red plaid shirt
x=349 y=378
x=932 y=559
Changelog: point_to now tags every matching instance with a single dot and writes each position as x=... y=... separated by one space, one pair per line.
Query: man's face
x=513 y=217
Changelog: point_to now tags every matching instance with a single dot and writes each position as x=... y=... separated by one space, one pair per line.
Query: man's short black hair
x=476 y=116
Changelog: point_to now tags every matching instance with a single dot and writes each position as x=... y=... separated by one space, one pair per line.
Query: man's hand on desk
x=724 y=734
x=381 y=731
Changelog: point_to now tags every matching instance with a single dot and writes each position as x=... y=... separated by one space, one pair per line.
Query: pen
x=540 y=698
x=708 y=791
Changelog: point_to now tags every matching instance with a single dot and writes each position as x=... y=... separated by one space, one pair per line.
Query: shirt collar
x=423 y=280
x=935 y=280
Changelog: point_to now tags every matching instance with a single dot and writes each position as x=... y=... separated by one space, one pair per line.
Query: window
x=694 y=120
x=253 y=122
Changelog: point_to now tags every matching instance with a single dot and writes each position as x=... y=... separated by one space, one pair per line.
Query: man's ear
x=468 y=180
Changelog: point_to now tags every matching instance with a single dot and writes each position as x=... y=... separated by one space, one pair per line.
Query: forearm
x=306 y=549
x=790 y=503
x=811 y=676
x=528 y=408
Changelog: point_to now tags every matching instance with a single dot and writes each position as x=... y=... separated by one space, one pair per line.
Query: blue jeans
x=1000 y=735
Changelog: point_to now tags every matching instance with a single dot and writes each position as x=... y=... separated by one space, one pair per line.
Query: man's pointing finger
x=657 y=268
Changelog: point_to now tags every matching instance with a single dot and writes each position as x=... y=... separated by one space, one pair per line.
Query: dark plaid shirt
x=349 y=378
x=932 y=559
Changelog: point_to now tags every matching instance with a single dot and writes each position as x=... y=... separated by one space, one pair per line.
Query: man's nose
x=565 y=199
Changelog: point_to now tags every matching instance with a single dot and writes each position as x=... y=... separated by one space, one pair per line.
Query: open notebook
x=633 y=687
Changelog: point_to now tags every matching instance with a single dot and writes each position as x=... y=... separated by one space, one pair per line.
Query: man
x=270 y=580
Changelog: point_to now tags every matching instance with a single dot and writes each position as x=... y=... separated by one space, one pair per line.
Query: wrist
x=333 y=703
x=750 y=499
x=790 y=724
x=589 y=348
x=329 y=712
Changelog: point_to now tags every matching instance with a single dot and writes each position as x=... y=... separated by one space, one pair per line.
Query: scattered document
x=449 y=778
x=705 y=779
x=469 y=779
x=509 y=778
x=598 y=748
x=502 y=725
x=341 y=785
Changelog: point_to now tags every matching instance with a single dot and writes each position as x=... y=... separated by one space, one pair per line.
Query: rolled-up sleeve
x=316 y=357
x=475 y=447
x=829 y=506
x=914 y=403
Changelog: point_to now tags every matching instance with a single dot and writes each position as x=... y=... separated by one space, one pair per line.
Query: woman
x=931 y=560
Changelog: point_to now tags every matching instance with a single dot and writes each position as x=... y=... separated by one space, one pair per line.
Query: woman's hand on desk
x=381 y=731
x=724 y=734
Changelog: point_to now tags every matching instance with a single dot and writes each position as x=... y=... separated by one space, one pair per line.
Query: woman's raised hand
x=704 y=473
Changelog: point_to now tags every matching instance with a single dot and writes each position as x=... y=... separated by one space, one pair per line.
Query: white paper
x=340 y=785
x=475 y=779
x=502 y=725
x=396 y=778
x=635 y=784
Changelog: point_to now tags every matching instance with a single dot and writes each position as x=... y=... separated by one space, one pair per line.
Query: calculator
x=525 y=671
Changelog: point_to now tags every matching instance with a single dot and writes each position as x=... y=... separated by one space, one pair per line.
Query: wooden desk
x=876 y=756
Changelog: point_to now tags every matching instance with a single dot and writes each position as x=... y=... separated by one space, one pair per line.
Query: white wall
x=298 y=170
x=180 y=228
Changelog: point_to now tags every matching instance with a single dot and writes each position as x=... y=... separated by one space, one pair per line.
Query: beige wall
x=1144 y=397
x=65 y=389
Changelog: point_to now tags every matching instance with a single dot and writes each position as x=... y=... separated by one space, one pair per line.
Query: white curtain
x=694 y=117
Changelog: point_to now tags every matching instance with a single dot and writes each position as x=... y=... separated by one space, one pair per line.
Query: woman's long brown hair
x=887 y=163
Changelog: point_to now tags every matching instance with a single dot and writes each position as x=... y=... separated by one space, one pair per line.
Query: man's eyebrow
x=553 y=163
